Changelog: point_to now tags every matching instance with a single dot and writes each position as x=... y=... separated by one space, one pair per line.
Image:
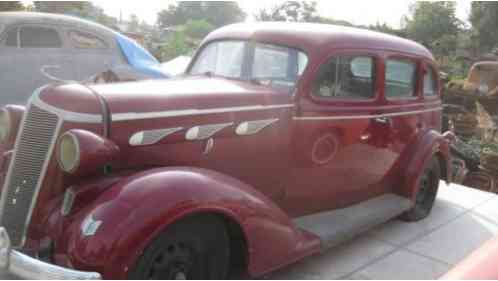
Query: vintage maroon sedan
x=280 y=141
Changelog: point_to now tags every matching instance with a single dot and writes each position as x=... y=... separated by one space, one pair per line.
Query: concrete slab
x=403 y=265
x=454 y=241
x=338 y=262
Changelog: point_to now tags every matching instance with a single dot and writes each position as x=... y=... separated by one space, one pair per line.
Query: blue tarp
x=139 y=58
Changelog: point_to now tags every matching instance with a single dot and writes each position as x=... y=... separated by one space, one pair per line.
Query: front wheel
x=426 y=195
x=196 y=248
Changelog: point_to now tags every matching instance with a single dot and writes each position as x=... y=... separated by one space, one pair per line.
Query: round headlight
x=5 y=125
x=69 y=153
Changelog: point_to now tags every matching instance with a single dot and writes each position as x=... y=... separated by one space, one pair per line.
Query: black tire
x=428 y=186
x=195 y=248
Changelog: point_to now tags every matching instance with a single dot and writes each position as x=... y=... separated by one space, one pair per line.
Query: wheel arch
x=430 y=145
x=128 y=225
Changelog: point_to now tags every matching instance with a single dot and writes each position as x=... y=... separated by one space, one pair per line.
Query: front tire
x=195 y=248
x=428 y=186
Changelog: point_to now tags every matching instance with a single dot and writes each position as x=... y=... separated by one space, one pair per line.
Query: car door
x=33 y=54
x=92 y=53
x=341 y=144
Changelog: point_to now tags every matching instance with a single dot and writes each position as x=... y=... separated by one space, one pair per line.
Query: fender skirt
x=136 y=209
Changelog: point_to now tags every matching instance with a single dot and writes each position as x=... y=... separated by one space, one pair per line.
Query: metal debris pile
x=475 y=153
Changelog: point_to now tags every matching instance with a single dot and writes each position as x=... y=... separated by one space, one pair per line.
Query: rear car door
x=32 y=54
x=343 y=155
x=408 y=114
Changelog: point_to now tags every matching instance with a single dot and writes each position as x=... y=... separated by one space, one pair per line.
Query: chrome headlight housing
x=68 y=154
x=5 y=125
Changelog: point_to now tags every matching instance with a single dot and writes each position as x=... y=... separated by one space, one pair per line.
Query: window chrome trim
x=352 y=117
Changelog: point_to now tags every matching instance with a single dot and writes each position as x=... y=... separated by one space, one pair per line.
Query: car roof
x=313 y=36
x=8 y=18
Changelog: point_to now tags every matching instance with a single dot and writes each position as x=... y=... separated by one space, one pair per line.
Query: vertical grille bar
x=26 y=172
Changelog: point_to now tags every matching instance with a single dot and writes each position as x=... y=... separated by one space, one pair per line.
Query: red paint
x=480 y=265
x=95 y=152
x=259 y=181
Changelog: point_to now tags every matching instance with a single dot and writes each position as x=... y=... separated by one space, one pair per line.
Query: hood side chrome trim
x=187 y=112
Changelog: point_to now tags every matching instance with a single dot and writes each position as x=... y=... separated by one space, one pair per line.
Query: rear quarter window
x=11 y=38
x=430 y=83
x=85 y=40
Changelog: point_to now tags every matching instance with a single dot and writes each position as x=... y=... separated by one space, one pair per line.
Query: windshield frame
x=248 y=58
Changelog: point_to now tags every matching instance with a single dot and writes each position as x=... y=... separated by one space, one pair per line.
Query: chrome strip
x=244 y=128
x=42 y=172
x=64 y=114
x=351 y=117
x=186 y=112
x=195 y=133
x=140 y=138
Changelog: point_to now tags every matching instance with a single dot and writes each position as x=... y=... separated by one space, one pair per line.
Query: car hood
x=160 y=96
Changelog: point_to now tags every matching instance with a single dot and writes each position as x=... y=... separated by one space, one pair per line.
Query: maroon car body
x=154 y=152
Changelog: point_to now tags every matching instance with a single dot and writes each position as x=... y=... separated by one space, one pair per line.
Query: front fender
x=429 y=145
x=136 y=209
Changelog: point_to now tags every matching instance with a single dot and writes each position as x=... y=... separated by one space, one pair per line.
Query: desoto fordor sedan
x=281 y=140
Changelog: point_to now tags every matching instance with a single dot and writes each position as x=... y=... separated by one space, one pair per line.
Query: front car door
x=30 y=53
x=342 y=147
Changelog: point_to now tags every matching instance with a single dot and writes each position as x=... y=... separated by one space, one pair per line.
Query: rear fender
x=431 y=144
x=135 y=210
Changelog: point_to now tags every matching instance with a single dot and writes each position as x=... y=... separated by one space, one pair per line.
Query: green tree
x=484 y=19
x=134 y=25
x=198 y=28
x=295 y=11
x=435 y=25
x=176 y=46
x=7 y=6
x=217 y=13
x=79 y=8
x=384 y=28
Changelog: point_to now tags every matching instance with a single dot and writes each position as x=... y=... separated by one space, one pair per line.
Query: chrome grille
x=26 y=172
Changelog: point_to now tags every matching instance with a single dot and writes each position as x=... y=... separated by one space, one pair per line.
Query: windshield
x=266 y=64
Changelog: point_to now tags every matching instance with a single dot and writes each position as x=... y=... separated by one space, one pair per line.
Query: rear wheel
x=196 y=248
x=426 y=195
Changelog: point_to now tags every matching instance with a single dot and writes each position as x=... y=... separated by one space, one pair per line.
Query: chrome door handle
x=383 y=120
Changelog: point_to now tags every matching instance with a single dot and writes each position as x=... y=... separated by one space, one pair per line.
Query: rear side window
x=84 y=40
x=346 y=77
x=400 y=78
x=11 y=38
x=39 y=37
x=430 y=85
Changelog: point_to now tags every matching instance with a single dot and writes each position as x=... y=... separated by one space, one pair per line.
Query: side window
x=84 y=40
x=350 y=77
x=430 y=85
x=11 y=38
x=400 y=78
x=39 y=37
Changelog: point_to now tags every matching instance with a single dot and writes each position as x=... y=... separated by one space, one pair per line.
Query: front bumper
x=27 y=267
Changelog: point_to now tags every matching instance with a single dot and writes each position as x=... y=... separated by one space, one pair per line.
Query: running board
x=337 y=226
